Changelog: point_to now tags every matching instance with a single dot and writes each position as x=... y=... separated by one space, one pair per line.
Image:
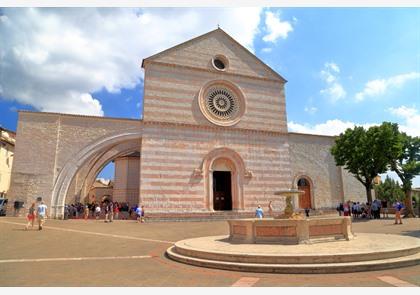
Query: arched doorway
x=305 y=198
x=222 y=184
x=227 y=168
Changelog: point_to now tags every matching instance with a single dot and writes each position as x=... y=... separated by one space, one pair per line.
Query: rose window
x=221 y=103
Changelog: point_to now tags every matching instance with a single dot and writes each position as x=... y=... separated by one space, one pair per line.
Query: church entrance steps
x=366 y=252
x=199 y=216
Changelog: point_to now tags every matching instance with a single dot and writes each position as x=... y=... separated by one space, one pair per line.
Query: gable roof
x=218 y=30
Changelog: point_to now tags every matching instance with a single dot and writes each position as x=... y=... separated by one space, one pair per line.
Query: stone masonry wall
x=170 y=155
x=46 y=141
x=34 y=159
x=171 y=95
x=310 y=156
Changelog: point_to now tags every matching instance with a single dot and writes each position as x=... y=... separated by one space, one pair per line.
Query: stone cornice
x=173 y=65
x=80 y=116
x=193 y=126
x=214 y=128
x=315 y=135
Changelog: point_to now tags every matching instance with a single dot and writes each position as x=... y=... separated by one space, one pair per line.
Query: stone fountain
x=290 y=243
x=292 y=201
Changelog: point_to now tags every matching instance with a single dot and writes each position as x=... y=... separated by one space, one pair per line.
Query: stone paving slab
x=157 y=271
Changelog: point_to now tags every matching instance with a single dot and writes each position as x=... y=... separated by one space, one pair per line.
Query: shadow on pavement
x=412 y=233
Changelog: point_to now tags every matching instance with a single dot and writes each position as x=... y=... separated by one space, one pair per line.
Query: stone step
x=293 y=259
x=369 y=265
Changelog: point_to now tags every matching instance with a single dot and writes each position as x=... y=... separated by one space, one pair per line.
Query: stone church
x=213 y=141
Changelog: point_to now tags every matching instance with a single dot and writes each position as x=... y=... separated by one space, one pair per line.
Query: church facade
x=213 y=139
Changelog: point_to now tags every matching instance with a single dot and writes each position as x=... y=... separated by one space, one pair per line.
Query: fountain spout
x=292 y=200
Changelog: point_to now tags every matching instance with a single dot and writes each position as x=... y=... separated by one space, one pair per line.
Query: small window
x=220 y=62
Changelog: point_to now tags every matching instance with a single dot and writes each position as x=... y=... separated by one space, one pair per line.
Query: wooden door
x=305 y=198
x=222 y=193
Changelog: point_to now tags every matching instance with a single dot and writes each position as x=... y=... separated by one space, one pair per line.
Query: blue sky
x=344 y=66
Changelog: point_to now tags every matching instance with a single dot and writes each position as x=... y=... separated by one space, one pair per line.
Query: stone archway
x=305 y=183
x=87 y=174
x=90 y=152
x=232 y=162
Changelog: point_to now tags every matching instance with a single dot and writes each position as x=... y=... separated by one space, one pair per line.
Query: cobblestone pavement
x=125 y=253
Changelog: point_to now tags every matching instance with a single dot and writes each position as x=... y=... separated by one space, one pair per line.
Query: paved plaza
x=125 y=253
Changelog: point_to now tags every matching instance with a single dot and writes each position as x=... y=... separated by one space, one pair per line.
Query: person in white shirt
x=41 y=214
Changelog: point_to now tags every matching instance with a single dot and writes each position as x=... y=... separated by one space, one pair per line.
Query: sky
x=344 y=66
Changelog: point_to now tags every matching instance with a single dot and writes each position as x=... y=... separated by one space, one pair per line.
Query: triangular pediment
x=199 y=52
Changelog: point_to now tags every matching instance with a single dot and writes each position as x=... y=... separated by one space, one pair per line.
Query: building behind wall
x=7 y=147
x=213 y=140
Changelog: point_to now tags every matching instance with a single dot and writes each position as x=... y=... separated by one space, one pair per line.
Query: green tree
x=389 y=190
x=367 y=153
x=407 y=166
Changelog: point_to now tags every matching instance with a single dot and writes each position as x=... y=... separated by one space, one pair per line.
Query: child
x=31 y=216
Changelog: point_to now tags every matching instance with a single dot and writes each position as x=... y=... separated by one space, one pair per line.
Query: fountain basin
x=290 y=231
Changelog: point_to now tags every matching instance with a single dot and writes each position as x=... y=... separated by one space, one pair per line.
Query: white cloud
x=55 y=58
x=311 y=110
x=381 y=86
x=411 y=119
x=334 y=90
x=275 y=27
x=267 y=49
x=410 y=123
x=330 y=127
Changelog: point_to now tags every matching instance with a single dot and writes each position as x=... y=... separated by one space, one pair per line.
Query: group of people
x=36 y=212
x=107 y=209
x=370 y=210
x=96 y=210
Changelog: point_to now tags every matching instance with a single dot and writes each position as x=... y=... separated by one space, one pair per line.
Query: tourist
x=97 y=211
x=354 y=210
x=378 y=213
x=92 y=209
x=138 y=213
x=76 y=211
x=398 y=208
x=86 y=212
x=374 y=209
x=340 y=209
x=259 y=212
x=109 y=208
x=66 y=212
x=307 y=211
x=346 y=208
x=31 y=216
x=358 y=210
x=41 y=214
x=384 y=204
x=368 y=211
x=142 y=214
x=116 y=210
